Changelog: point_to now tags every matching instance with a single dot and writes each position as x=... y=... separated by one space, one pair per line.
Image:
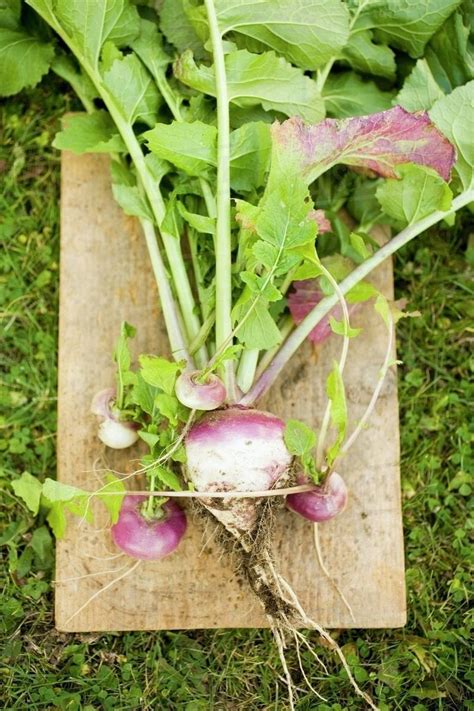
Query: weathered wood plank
x=105 y=279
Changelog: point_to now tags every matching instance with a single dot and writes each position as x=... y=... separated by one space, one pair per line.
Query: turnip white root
x=228 y=188
x=112 y=431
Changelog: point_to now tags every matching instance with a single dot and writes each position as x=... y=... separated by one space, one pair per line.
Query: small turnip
x=148 y=538
x=196 y=395
x=112 y=431
x=323 y=503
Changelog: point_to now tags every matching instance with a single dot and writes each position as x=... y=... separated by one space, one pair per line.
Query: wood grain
x=105 y=279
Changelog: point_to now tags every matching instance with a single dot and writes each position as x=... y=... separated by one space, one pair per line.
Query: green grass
x=424 y=666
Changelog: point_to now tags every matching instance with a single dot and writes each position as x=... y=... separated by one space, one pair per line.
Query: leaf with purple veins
x=379 y=142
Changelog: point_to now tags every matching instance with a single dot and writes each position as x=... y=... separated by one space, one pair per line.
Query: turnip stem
x=203 y=333
x=170 y=243
x=294 y=341
x=342 y=363
x=222 y=239
x=170 y=311
x=373 y=400
x=247 y=368
x=234 y=494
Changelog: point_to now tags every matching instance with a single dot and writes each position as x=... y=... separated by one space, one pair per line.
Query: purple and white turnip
x=148 y=537
x=237 y=449
x=112 y=431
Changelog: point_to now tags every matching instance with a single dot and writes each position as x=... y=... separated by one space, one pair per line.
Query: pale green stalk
x=247 y=367
x=170 y=243
x=201 y=338
x=222 y=239
x=170 y=313
x=388 y=361
x=294 y=341
x=341 y=365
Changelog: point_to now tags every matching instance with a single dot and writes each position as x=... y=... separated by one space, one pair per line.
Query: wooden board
x=105 y=278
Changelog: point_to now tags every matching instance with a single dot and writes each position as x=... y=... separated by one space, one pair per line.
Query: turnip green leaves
x=89 y=133
x=300 y=441
x=306 y=32
x=28 y=488
x=234 y=217
x=191 y=147
x=257 y=80
x=404 y=24
x=418 y=192
x=60 y=498
x=420 y=89
x=454 y=116
x=24 y=60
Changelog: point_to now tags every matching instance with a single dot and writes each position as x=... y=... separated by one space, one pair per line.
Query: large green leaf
x=420 y=90
x=283 y=220
x=454 y=116
x=133 y=89
x=306 y=32
x=299 y=438
x=112 y=494
x=24 y=60
x=159 y=372
x=255 y=79
x=10 y=12
x=419 y=192
x=29 y=489
x=192 y=147
x=132 y=201
x=347 y=94
x=367 y=57
x=89 y=133
x=406 y=24
x=90 y=23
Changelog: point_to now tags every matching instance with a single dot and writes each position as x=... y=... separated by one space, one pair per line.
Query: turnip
x=112 y=431
x=323 y=503
x=238 y=449
x=148 y=537
x=197 y=395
